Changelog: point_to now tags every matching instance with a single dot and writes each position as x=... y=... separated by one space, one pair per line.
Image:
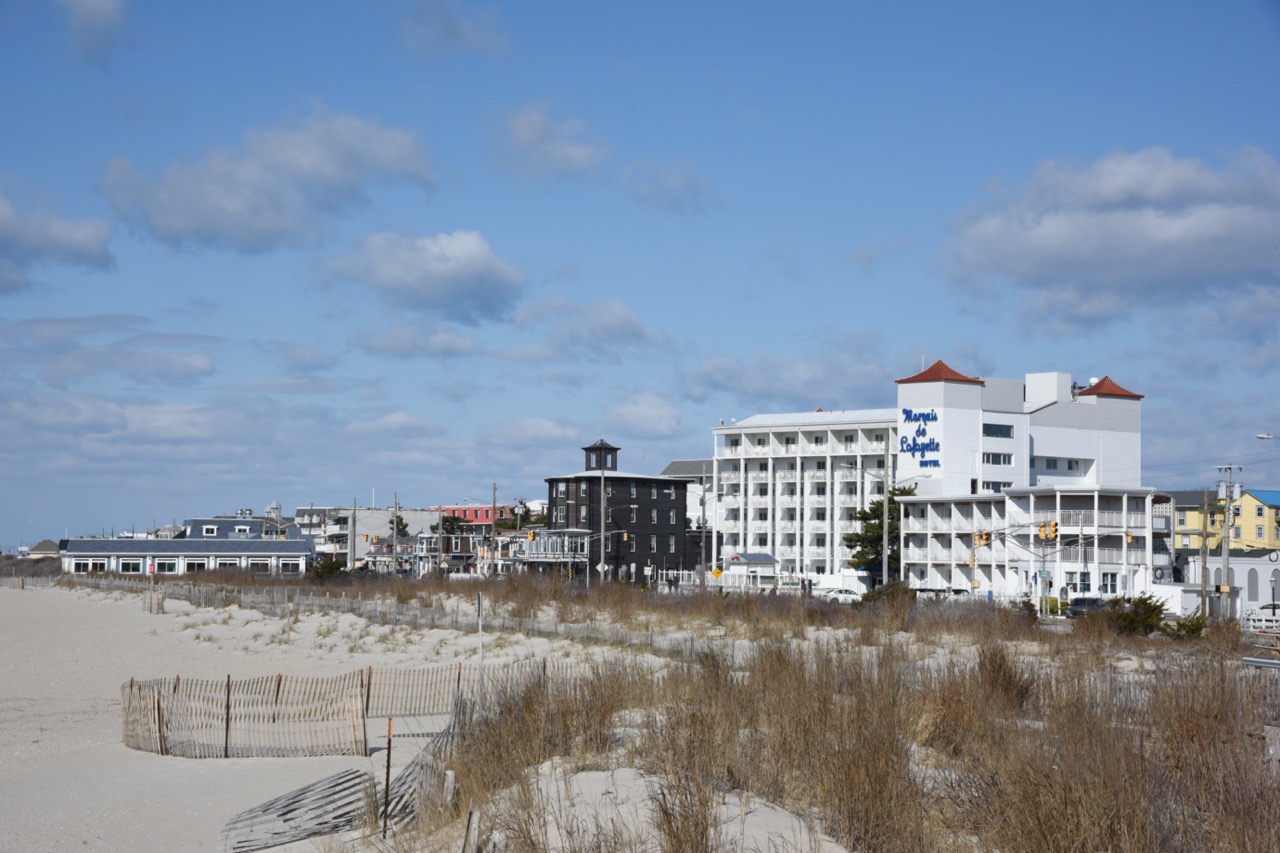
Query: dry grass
x=908 y=727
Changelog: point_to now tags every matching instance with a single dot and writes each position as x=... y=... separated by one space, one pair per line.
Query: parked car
x=1264 y=618
x=839 y=596
x=1084 y=606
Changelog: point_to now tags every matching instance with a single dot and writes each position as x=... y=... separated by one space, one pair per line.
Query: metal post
x=884 y=504
x=601 y=526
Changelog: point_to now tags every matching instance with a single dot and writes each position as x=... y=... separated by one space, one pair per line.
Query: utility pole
x=884 y=545
x=1227 y=492
x=602 y=519
x=351 y=539
x=1204 y=557
x=493 y=529
x=702 y=555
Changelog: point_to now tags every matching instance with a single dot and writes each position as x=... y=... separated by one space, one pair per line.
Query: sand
x=68 y=783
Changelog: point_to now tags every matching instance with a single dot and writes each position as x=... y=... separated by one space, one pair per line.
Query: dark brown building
x=640 y=519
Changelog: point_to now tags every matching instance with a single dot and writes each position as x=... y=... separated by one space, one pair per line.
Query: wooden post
x=226 y=738
x=386 y=791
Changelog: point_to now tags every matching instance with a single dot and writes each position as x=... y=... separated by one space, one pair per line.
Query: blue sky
x=330 y=250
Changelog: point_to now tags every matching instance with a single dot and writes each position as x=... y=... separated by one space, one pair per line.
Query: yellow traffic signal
x=366 y=537
x=624 y=536
x=532 y=535
x=1053 y=530
x=1128 y=536
x=375 y=540
x=1042 y=530
x=971 y=559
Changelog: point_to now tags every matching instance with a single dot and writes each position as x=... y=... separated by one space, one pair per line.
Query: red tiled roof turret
x=940 y=371
x=1105 y=387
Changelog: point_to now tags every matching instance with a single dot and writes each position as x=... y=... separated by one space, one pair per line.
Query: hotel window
x=997 y=458
x=762 y=442
x=762 y=540
x=582 y=513
x=653 y=543
x=1259 y=511
x=671 y=544
x=131 y=567
x=560 y=515
x=819 y=489
x=166 y=567
x=653 y=516
x=673 y=516
x=633 y=514
x=212 y=529
x=789 y=441
x=562 y=489
x=1257 y=532
x=733 y=442
x=633 y=490
x=1108 y=585
x=820 y=541
x=997 y=430
x=996 y=486
x=820 y=465
x=819 y=439
x=1051 y=464
x=820 y=514
x=1073 y=464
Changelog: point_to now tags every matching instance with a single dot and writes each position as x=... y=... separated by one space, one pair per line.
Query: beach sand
x=68 y=783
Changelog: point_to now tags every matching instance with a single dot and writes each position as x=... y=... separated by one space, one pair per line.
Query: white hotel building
x=991 y=460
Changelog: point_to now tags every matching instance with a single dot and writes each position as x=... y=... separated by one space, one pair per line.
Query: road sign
x=151 y=567
x=715 y=573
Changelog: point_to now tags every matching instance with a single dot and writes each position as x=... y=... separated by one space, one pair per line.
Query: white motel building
x=994 y=462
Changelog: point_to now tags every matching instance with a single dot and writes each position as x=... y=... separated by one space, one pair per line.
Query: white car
x=839 y=596
x=1265 y=618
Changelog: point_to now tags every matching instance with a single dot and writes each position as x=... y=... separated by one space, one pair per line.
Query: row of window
x=583 y=490
x=583 y=514
x=848 y=439
x=131 y=566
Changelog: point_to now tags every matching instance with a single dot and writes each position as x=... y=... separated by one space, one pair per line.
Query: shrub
x=1187 y=627
x=1136 y=616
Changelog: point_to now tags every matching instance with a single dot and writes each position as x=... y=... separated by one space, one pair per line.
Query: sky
x=324 y=251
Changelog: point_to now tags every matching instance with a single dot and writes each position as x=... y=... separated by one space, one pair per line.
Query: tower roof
x=1104 y=387
x=940 y=371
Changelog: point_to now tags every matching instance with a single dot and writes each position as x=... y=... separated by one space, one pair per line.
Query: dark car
x=1083 y=607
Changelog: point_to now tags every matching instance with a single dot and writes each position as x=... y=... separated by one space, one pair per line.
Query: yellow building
x=1255 y=520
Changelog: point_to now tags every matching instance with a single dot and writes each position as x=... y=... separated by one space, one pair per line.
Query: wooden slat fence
x=285 y=715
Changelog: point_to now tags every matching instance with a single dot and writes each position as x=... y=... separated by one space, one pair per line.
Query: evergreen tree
x=868 y=543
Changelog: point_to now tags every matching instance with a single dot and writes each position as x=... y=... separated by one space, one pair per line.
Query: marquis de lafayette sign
x=920 y=445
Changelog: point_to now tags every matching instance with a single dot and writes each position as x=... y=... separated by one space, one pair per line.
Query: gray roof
x=816 y=419
x=689 y=469
x=192 y=547
x=595 y=475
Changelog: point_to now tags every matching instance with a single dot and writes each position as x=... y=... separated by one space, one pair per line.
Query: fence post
x=226 y=738
x=386 y=791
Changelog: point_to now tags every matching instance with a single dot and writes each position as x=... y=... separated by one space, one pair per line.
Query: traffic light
x=624 y=536
x=1053 y=530
x=1128 y=536
x=1043 y=527
x=984 y=538
x=971 y=558
x=375 y=540
x=532 y=535
x=366 y=537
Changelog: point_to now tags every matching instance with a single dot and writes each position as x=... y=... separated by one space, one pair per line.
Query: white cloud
x=539 y=147
x=432 y=27
x=1146 y=229
x=43 y=238
x=401 y=341
x=94 y=25
x=604 y=331
x=456 y=276
x=645 y=414
x=524 y=432
x=272 y=190
x=391 y=422
x=675 y=188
